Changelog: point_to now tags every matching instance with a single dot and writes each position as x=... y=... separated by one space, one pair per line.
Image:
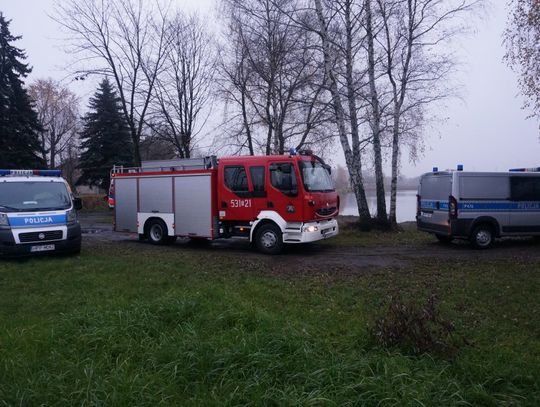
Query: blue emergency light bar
x=27 y=173
x=534 y=169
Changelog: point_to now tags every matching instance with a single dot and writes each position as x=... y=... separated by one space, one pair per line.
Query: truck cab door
x=257 y=174
x=284 y=194
x=235 y=201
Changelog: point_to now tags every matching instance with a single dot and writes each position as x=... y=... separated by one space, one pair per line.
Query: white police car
x=37 y=213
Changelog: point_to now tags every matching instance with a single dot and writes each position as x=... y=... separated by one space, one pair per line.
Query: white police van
x=479 y=206
x=37 y=213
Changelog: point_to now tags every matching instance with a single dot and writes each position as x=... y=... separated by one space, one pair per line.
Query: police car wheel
x=482 y=237
x=269 y=239
x=157 y=232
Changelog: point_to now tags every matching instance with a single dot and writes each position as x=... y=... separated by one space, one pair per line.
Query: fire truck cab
x=270 y=200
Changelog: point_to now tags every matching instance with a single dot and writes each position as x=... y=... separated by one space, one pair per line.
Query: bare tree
x=272 y=75
x=413 y=44
x=184 y=87
x=521 y=38
x=124 y=40
x=58 y=113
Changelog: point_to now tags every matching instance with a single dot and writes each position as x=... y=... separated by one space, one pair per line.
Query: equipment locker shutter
x=193 y=205
x=125 y=204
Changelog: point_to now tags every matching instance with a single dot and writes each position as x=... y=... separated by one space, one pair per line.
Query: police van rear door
x=434 y=192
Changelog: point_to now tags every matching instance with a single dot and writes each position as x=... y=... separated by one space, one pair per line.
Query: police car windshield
x=32 y=196
x=316 y=177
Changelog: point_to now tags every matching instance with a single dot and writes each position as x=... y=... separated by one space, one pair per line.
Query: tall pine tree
x=105 y=138
x=18 y=121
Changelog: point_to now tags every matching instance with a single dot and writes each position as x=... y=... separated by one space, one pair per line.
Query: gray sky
x=486 y=130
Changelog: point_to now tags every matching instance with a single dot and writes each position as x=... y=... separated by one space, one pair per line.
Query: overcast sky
x=485 y=130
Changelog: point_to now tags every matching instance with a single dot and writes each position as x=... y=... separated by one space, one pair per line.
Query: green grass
x=351 y=235
x=130 y=324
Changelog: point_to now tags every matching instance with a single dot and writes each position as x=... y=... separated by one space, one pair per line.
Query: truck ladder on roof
x=175 y=164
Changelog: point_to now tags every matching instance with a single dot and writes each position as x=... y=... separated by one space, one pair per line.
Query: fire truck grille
x=40 y=236
x=326 y=211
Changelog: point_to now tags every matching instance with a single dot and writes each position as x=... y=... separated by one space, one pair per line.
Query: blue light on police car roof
x=43 y=173
x=435 y=169
x=460 y=167
x=292 y=151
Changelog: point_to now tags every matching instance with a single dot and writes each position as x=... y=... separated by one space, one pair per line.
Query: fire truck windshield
x=32 y=196
x=316 y=177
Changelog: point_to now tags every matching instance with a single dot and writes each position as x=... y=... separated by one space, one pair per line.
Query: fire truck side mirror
x=328 y=168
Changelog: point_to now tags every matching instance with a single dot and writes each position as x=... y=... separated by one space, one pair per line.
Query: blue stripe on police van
x=484 y=206
x=36 y=221
x=434 y=205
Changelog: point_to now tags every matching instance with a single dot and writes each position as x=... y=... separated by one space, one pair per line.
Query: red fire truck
x=271 y=200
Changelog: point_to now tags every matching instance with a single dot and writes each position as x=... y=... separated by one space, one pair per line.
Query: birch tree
x=271 y=74
x=413 y=43
x=521 y=38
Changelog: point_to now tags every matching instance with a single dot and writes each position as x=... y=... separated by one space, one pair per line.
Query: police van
x=37 y=213
x=479 y=206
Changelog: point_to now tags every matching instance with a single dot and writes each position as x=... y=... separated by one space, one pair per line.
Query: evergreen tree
x=105 y=138
x=19 y=124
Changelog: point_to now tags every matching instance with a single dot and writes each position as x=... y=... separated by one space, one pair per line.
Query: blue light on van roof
x=435 y=169
x=534 y=169
x=460 y=167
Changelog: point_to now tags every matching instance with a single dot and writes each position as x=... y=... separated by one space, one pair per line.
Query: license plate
x=427 y=214
x=42 y=248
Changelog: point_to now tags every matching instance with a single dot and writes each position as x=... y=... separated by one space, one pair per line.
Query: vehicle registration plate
x=42 y=248
x=427 y=214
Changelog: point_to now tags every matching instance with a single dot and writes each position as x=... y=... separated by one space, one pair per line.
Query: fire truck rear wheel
x=156 y=231
x=269 y=239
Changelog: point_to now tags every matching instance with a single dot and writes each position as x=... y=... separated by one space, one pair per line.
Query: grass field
x=131 y=324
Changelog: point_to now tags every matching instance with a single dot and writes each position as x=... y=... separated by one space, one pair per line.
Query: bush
x=416 y=328
x=94 y=203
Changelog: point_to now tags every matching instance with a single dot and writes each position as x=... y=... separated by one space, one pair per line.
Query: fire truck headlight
x=311 y=229
x=4 y=221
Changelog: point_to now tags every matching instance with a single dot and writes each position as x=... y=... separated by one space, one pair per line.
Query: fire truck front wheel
x=156 y=232
x=269 y=239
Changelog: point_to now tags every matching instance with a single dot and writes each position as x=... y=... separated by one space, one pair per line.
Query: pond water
x=406 y=205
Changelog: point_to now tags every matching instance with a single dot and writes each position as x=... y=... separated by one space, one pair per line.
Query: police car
x=479 y=206
x=37 y=213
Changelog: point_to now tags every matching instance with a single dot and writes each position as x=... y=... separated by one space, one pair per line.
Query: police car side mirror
x=77 y=203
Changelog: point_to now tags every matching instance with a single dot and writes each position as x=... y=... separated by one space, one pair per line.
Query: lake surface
x=405 y=211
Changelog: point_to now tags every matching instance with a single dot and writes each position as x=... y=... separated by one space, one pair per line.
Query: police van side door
x=525 y=196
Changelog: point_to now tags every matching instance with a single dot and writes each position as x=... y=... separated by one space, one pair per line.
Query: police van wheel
x=482 y=237
x=269 y=239
x=156 y=232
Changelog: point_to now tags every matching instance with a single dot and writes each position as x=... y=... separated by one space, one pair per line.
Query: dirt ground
x=338 y=258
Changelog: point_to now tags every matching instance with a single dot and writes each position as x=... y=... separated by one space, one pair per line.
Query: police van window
x=483 y=187
x=257 y=178
x=437 y=187
x=236 y=179
x=525 y=188
x=282 y=177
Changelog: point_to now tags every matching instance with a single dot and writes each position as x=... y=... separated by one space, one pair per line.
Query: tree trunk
x=395 y=162
x=352 y=163
x=376 y=119
x=360 y=193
